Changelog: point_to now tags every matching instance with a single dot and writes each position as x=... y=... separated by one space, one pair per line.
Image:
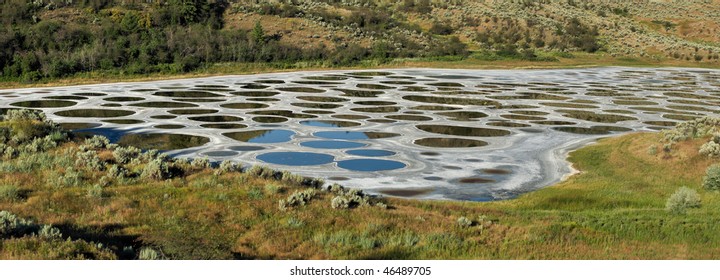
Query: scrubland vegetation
x=47 y=40
x=65 y=197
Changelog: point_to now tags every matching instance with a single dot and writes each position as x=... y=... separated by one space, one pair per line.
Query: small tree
x=681 y=200
x=258 y=34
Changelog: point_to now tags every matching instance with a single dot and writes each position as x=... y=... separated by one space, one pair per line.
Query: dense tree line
x=170 y=36
x=513 y=38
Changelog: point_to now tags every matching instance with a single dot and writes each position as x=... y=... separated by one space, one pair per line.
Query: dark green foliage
x=665 y=24
x=178 y=36
x=283 y=10
x=441 y=29
x=418 y=6
x=580 y=36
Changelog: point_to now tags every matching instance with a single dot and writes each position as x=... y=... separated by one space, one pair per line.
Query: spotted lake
x=421 y=133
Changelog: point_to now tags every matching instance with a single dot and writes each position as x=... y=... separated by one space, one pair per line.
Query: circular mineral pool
x=371 y=153
x=326 y=144
x=370 y=165
x=220 y=153
x=296 y=158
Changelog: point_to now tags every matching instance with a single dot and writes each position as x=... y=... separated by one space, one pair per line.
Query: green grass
x=477 y=60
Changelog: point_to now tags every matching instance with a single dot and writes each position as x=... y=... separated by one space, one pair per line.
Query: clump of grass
x=652 y=150
x=484 y=222
x=96 y=191
x=681 y=200
x=405 y=239
x=9 y=193
x=255 y=193
x=274 y=189
x=293 y=222
x=69 y=178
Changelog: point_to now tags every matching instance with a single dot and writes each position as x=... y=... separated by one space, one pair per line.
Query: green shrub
x=151 y=155
x=464 y=222
x=290 y=178
x=91 y=160
x=9 y=193
x=314 y=182
x=710 y=149
x=336 y=189
x=96 y=191
x=97 y=142
x=4 y=135
x=117 y=172
x=298 y=198
x=156 y=169
x=9 y=153
x=697 y=128
x=148 y=254
x=49 y=232
x=200 y=163
x=351 y=198
x=72 y=178
x=11 y=225
x=711 y=181
x=261 y=171
x=124 y=155
x=24 y=125
x=38 y=145
x=227 y=166
x=24 y=115
x=340 y=202
x=681 y=200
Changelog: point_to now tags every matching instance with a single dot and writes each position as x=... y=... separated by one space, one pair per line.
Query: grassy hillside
x=63 y=197
x=106 y=39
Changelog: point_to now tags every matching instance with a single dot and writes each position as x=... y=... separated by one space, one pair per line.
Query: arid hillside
x=47 y=39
